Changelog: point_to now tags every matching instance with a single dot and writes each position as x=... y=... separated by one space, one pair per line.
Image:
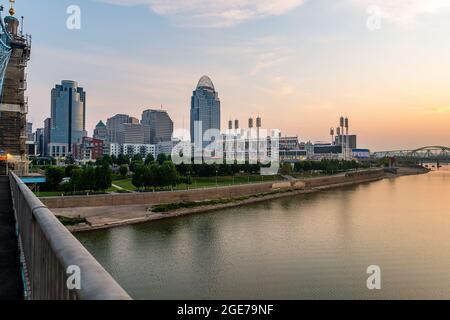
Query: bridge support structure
x=15 y=49
x=51 y=253
x=433 y=154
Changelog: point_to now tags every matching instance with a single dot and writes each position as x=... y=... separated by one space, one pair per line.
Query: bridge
x=436 y=154
x=39 y=258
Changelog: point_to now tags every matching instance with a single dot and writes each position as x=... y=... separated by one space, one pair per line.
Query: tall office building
x=47 y=136
x=30 y=136
x=39 y=138
x=100 y=132
x=68 y=125
x=113 y=126
x=132 y=133
x=125 y=129
x=205 y=111
x=161 y=126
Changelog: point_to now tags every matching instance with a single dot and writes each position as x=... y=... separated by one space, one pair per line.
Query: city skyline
x=299 y=66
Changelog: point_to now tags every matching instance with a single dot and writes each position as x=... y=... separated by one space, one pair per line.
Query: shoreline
x=118 y=216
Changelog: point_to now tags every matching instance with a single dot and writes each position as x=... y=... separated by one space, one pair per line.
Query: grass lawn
x=197 y=183
x=210 y=182
x=306 y=175
x=43 y=194
x=48 y=193
x=125 y=184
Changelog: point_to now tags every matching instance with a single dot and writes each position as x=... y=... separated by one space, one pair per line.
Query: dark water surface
x=304 y=247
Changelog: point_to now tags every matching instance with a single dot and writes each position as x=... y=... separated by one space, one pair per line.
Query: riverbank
x=103 y=217
x=137 y=208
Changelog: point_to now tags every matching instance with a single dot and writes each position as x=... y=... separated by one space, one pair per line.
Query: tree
x=69 y=169
x=123 y=159
x=102 y=177
x=156 y=175
x=161 y=158
x=54 y=176
x=136 y=163
x=286 y=169
x=149 y=159
x=183 y=169
x=69 y=159
x=169 y=174
x=149 y=177
x=76 y=180
x=123 y=170
x=138 y=179
x=89 y=178
x=106 y=159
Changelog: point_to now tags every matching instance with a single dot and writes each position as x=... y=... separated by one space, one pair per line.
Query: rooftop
x=205 y=82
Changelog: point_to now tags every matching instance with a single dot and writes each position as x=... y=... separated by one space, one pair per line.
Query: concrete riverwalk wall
x=152 y=198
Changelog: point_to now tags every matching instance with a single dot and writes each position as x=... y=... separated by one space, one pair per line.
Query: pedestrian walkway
x=11 y=287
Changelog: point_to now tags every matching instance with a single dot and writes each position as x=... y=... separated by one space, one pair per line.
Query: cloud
x=214 y=13
x=406 y=11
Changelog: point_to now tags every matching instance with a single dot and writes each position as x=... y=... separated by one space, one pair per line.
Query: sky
x=299 y=64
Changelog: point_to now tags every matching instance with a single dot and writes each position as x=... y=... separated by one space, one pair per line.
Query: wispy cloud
x=214 y=13
x=406 y=11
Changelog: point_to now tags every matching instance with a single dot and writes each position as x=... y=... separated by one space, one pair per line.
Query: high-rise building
x=100 y=132
x=47 y=136
x=30 y=136
x=205 y=111
x=39 y=138
x=131 y=133
x=161 y=126
x=133 y=120
x=68 y=125
x=113 y=126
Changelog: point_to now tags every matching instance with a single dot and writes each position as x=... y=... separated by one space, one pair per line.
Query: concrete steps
x=11 y=287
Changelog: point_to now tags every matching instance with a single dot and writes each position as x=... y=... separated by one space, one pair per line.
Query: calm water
x=304 y=247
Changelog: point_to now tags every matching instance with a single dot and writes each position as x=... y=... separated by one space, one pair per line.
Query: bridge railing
x=52 y=253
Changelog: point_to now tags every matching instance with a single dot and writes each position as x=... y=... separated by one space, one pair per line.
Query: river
x=315 y=246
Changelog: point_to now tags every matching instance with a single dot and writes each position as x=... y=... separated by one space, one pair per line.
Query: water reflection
x=310 y=246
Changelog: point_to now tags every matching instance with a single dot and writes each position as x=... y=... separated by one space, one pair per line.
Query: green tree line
x=88 y=178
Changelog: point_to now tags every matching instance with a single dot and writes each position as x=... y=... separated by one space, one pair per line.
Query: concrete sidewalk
x=11 y=287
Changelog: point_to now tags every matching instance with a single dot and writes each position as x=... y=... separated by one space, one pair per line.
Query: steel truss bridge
x=5 y=51
x=432 y=154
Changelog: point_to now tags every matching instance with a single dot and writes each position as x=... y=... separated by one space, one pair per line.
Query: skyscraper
x=100 y=131
x=40 y=141
x=161 y=126
x=205 y=111
x=134 y=133
x=113 y=126
x=68 y=103
x=125 y=129
x=47 y=136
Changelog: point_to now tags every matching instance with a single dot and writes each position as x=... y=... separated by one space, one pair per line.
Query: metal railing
x=50 y=251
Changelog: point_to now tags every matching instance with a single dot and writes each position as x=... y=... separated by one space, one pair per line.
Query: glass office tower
x=205 y=111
